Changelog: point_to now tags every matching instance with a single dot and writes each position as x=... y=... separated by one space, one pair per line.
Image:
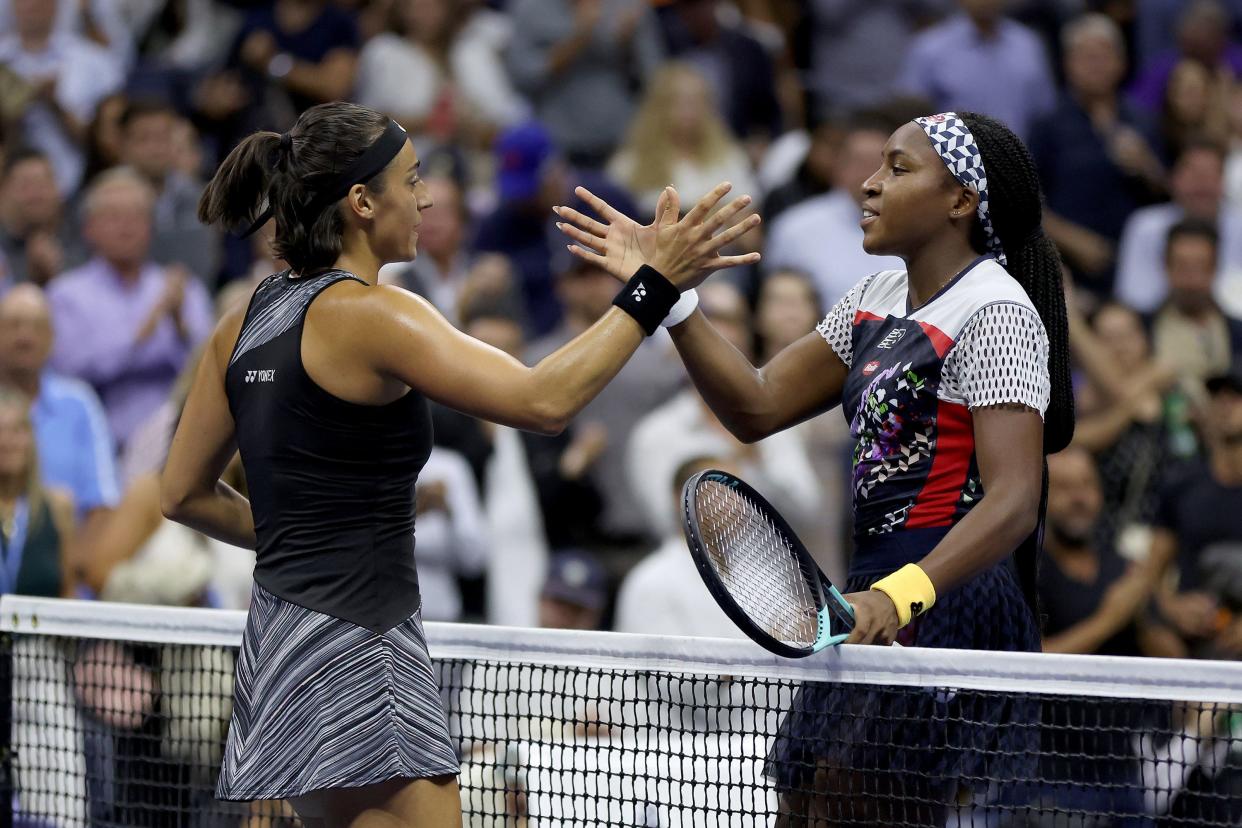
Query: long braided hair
x=1017 y=212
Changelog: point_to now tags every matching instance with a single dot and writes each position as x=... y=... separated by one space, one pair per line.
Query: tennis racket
x=757 y=569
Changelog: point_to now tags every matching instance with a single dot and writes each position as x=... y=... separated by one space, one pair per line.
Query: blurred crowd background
x=113 y=113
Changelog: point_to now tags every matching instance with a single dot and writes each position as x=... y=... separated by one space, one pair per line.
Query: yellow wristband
x=910 y=589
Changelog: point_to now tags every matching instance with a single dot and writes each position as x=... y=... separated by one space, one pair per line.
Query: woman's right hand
x=686 y=252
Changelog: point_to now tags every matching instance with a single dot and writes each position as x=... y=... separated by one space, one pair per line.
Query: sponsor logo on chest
x=894 y=336
x=262 y=375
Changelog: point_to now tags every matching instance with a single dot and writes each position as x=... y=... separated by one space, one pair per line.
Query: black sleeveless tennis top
x=331 y=482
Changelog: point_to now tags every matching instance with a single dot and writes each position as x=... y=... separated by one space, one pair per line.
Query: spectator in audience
x=588 y=459
x=452 y=539
x=1197 y=187
x=1190 y=332
x=518 y=560
x=1199 y=536
x=36 y=237
x=128 y=325
x=1133 y=417
x=822 y=235
x=574 y=593
x=531 y=179
x=1196 y=105
x=1094 y=602
x=1156 y=24
x=36 y=523
x=778 y=466
x=141 y=557
x=813 y=175
x=664 y=593
x=847 y=69
x=677 y=138
x=1092 y=598
x=998 y=67
x=1096 y=153
x=1202 y=36
x=443 y=263
x=289 y=55
x=788 y=306
x=74 y=444
x=578 y=62
x=738 y=69
x=178 y=236
x=68 y=76
x=442 y=74
x=102 y=143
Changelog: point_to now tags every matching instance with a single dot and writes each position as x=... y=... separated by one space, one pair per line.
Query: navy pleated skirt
x=938 y=734
x=320 y=702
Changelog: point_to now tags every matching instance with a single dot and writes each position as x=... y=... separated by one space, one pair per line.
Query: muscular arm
x=191 y=491
x=407 y=339
x=802 y=380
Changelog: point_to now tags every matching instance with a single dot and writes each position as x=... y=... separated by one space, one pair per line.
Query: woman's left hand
x=875 y=618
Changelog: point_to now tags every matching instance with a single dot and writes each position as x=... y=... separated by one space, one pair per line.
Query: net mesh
x=117 y=716
x=755 y=562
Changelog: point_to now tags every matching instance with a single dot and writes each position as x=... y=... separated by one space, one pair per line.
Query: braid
x=1017 y=214
x=1016 y=209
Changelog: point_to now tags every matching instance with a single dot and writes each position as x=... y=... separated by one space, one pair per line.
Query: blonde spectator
x=36 y=523
x=678 y=137
x=440 y=73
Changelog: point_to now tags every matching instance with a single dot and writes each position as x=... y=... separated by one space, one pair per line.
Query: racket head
x=758 y=570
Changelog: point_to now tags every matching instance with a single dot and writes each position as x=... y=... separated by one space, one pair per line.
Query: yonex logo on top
x=267 y=375
x=639 y=292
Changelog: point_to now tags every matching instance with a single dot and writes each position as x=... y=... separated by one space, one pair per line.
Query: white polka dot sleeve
x=837 y=328
x=1000 y=357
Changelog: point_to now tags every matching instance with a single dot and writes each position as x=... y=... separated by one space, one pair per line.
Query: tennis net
x=116 y=715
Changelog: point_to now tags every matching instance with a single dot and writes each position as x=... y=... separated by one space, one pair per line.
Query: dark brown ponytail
x=286 y=172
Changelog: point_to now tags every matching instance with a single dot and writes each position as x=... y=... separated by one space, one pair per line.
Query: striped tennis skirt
x=320 y=702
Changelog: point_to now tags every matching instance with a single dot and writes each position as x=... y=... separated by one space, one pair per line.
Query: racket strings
x=757 y=564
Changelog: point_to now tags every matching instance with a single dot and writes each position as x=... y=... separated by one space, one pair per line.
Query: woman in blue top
x=954 y=375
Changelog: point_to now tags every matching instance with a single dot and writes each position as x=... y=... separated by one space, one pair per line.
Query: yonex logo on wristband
x=916 y=607
x=640 y=292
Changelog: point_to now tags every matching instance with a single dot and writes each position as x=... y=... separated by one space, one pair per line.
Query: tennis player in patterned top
x=954 y=376
x=322 y=384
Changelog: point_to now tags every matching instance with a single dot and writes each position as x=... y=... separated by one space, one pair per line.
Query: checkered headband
x=956 y=146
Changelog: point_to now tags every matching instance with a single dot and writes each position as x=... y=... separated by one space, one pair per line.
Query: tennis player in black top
x=322 y=385
x=954 y=376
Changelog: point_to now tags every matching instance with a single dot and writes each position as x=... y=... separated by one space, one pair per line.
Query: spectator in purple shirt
x=124 y=324
x=1202 y=36
x=982 y=61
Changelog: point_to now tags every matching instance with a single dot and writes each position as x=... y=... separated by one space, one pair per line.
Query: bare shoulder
x=368 y=310
x=227 y=330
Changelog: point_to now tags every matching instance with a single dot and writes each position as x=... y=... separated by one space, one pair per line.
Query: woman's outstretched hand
x=685 y=251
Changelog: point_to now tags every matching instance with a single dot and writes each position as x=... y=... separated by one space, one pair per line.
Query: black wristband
x=648 y=297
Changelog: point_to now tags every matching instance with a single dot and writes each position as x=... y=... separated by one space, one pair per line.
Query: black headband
x=368 y=165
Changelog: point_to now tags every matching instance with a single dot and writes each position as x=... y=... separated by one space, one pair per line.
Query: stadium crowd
x=114 y=112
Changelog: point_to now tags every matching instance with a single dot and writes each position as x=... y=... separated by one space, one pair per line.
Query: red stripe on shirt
x=939 y=339
x=865 y=316
x=955 y=443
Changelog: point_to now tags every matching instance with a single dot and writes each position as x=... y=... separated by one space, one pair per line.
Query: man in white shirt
x=821 y=235
x=664 y=594
x=1197 y=187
